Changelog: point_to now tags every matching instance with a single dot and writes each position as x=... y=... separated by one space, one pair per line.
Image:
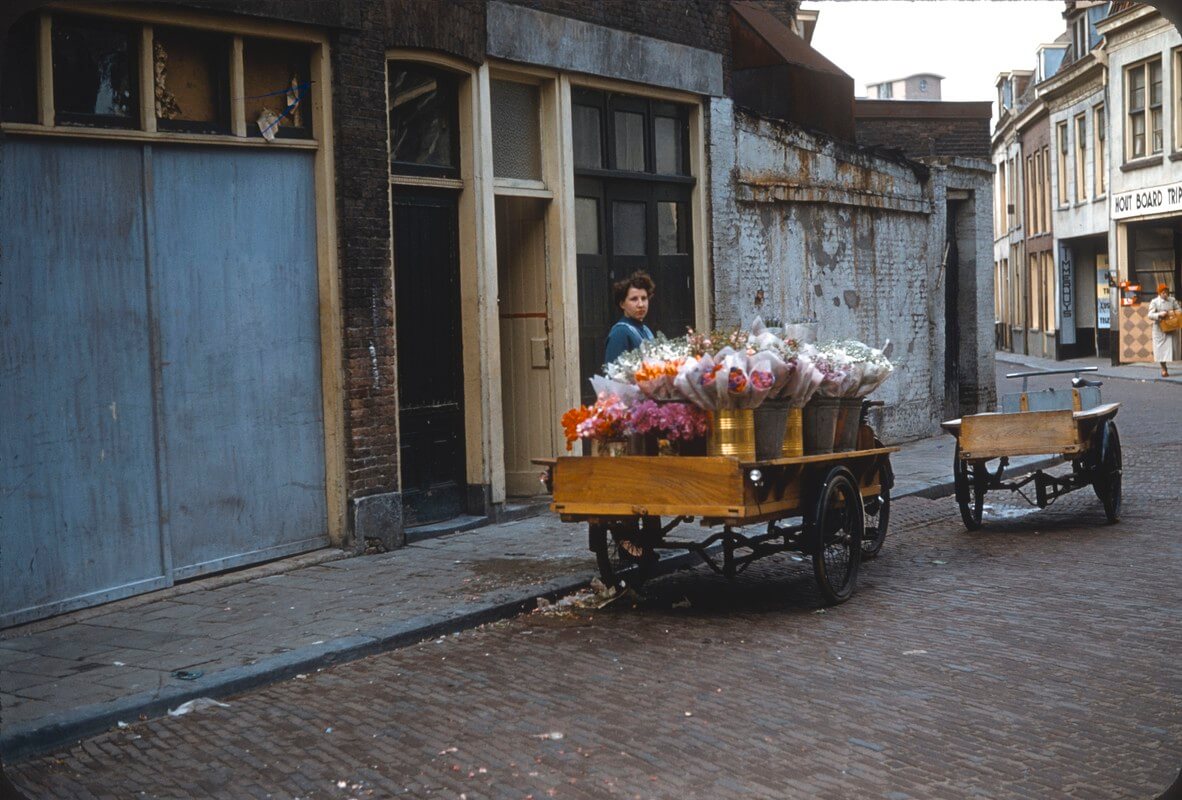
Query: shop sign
x=1066 y=296
x=1104 y=312
x=1144 y=202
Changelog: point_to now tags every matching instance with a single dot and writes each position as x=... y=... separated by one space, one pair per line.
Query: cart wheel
x=877 y=512
x=837 y=525
x=623 y=553
x=1106 y=476
x=969 y=480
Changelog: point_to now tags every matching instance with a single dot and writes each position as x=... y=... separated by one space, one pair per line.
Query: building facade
x=1114 y=133
x=290 y=275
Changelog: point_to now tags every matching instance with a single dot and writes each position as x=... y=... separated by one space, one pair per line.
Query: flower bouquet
x=606 y=420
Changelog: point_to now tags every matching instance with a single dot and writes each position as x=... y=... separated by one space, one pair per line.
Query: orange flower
x=570 y=424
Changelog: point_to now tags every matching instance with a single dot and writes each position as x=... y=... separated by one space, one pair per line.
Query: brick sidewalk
x=80 y=673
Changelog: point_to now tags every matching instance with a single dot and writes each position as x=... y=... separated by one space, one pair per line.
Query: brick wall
x=924 y=128
x=363 y=226
x=807 y=227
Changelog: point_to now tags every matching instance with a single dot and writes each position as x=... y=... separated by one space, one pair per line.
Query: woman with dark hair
x=632 y=295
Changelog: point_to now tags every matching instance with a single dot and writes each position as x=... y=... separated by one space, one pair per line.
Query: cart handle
x=1064 y=371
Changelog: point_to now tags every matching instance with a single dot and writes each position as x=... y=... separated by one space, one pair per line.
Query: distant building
x=921 y=86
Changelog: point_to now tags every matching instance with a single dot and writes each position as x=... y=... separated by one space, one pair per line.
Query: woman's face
x=635 y=305
x=1164 y=294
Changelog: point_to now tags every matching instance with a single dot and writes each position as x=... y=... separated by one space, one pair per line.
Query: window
x=1045 y=201
x=1081 y=142
x=95 y=72
x=1037 y=184
x=18 y=89
x=641 y=135
x=1048 y=292
x=1143 y=99
x=1061 y=140
x=191 y=72
x=516 y=139
x=1027 y=197
x=1153 y=257
x=923 y=84
x=1034 y=311
x=1011 y=194
x=424 y=120
x=884 y=91
x=275 y=76
x=1099 y=163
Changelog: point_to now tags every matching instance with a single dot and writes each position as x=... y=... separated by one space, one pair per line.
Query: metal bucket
x=849 y=418
x=732 y=434
x=820 y=424
x=793 y=434
x=771 y=420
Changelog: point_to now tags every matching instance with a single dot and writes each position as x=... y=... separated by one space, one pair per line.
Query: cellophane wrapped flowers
x=607 y=419
x=851 y=368
x=673 y=421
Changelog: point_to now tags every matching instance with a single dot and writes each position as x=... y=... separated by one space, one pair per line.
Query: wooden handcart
x=842 y=500
x=1072 y=424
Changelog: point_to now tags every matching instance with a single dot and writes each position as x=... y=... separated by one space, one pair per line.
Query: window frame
x=1147 y=111
x=1080 y=122
x=1099 y=150
x=1061 y=160
x=414 y=169
x=144 y=125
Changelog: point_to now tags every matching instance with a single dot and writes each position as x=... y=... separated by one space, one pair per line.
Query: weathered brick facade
x=924 y=128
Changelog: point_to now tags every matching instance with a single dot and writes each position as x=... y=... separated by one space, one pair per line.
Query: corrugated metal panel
x=78 y=504
x=233 y=246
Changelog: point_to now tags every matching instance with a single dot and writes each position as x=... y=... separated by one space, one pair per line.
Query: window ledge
x=131 y=135
x=1100 y=197
x=1080 y=203
x=1176 y=155
x=1141 y=163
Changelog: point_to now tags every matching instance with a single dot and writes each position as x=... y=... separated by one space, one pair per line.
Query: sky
x=967 y=41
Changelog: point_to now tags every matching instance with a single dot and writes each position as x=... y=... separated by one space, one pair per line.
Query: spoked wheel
x=624 y=552
x=969 y=479
x=877 y=511
x=1107 y=469
x=836 y=529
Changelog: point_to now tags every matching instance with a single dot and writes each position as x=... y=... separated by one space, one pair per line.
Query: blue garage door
x=159 y=368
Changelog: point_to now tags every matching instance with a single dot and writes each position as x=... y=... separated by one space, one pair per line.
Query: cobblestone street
x=1036 y=658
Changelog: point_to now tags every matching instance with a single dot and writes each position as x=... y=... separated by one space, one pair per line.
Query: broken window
x=18 y=102
x=424 y=120
x=95 y=69
x=278 y=90
x=191 y=81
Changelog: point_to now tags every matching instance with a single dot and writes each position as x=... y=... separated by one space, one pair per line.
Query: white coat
x=1163 y=343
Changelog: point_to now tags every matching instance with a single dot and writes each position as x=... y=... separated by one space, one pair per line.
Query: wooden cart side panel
x=644 y=484
x=1025 y=433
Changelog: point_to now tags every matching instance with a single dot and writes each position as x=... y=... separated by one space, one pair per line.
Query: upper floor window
x=134 y=76
x=1061 y=141
x=884 y=91
x=626 y=133
x=95 y=72
x=1099 y=162
x=1143 y=104
x=424 y=120
x=1081 y=141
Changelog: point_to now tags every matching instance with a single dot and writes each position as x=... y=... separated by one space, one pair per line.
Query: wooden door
x=527 y=395
x=430 y=355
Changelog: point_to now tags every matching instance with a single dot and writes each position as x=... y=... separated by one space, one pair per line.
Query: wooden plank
x=643 y=484
x=820 y=458
x=1025 y=433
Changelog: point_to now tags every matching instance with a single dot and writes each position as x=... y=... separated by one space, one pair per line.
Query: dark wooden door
x=430 y=355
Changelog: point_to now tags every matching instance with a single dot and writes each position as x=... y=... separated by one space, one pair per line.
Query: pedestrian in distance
x=1162 y=308
x=633 y=295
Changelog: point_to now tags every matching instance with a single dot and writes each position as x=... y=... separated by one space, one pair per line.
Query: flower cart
x=831 y=505
x=1072 y=424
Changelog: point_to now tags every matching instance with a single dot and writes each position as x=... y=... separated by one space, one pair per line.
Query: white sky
x=968 y=43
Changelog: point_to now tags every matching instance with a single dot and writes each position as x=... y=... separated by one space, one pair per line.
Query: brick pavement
x=1028 y=660
x=79 y=673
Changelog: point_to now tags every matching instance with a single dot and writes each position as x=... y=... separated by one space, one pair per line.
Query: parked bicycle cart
x=1073 y=424
x=841 y=498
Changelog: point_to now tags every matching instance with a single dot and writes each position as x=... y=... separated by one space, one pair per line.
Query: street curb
x=63 y=730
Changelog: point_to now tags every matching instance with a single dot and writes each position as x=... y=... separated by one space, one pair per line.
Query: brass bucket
x=732 y=434
x=793 y=434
